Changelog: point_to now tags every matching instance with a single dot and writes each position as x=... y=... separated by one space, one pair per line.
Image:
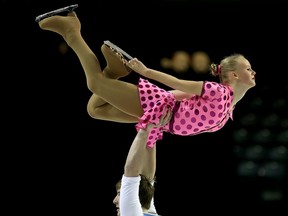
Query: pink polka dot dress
x=208 y=112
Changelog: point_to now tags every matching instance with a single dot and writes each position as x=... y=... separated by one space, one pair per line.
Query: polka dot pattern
x=206 y=113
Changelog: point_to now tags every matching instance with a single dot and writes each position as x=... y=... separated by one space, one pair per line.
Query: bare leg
x=117 y=93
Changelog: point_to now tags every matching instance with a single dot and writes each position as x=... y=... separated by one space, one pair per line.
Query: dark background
x=60 y=160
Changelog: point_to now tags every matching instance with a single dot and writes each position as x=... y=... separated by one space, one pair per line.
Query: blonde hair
x=227 y=64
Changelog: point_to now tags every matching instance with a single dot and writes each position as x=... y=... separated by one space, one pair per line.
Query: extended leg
x=121 y=95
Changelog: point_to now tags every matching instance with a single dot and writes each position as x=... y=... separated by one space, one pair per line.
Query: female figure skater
x=197 y=106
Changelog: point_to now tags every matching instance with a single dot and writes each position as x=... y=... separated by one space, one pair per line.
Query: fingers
x=132 y=63
x=166 y=117
x=134 y=60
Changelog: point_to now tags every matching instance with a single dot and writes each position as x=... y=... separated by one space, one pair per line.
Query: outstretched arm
x=141 y=159
x=192 y=87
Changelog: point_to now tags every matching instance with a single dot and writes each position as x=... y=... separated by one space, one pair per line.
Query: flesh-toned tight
x=112 y=99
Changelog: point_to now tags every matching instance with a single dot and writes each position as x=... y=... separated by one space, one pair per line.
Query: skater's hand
x=164 y=119
x=137 y=66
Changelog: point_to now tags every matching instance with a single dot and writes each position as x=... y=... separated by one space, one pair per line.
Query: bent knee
x=91 y=109
x=91 y=112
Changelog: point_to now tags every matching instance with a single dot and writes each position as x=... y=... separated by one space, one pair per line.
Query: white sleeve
x=129 y=197
x=152 y=208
